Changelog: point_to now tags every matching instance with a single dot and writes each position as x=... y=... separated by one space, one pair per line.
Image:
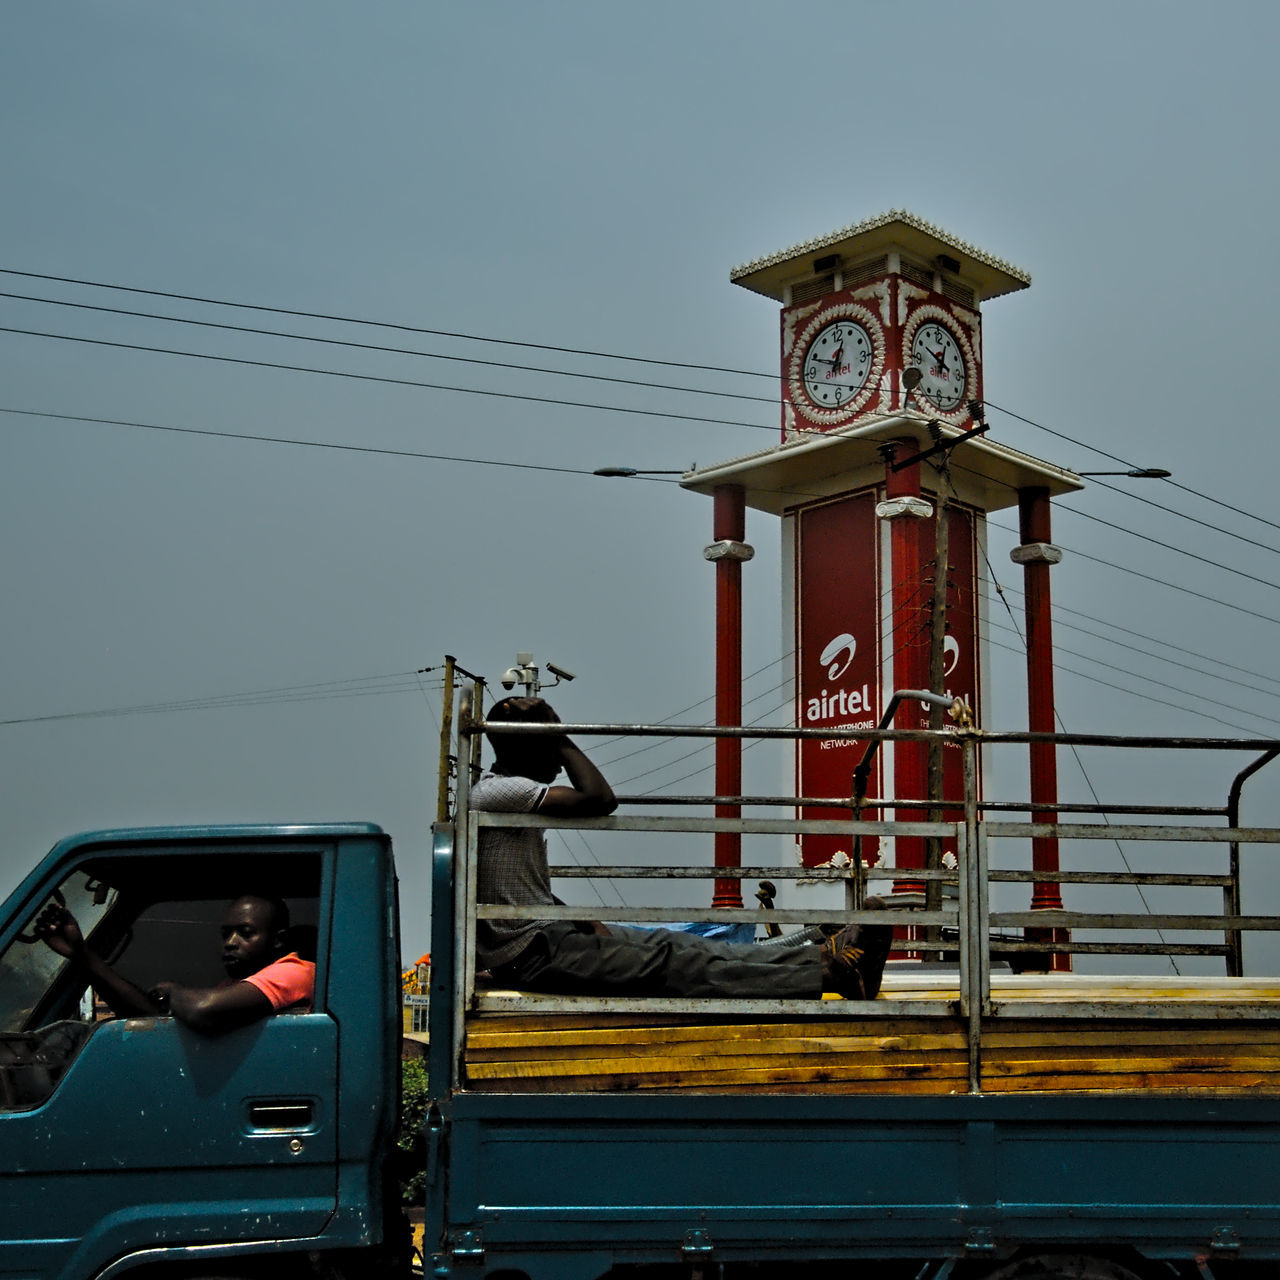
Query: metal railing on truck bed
x=933 y=1028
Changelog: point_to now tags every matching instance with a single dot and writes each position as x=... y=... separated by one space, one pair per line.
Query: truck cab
x=136 y=1142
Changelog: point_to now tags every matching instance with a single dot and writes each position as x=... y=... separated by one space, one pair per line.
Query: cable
x=1157 y=657
x=1177 y=706
x=1115 y=626
x=606 y=742
x=1084 y=555
x=403 y=682
x=901 y=609
x=564 y=350
x=657 y=742
x=1131 y=465
x=382 y=378
x=1137 y=675
x=1182 y=515
x=315 y=444
x=386 y=324
x=1191 y=555
x=642 y=412
x=402 y=351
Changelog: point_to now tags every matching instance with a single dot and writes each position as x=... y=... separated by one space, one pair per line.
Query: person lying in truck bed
x=590 y=958
x=264 y=975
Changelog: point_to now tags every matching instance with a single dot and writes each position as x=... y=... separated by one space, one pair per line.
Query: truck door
x=124 y=1134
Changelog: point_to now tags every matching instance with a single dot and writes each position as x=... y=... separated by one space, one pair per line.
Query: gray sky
x=584 y=176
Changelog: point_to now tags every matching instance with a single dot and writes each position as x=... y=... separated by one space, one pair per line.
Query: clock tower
x=882 y=480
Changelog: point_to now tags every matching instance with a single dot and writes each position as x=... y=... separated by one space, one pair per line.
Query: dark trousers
x=568 y=959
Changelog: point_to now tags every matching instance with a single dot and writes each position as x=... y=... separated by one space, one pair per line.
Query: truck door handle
x=281 y=1113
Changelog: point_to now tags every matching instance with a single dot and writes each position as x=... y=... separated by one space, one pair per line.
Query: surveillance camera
x=510 y=677
x=559 y=671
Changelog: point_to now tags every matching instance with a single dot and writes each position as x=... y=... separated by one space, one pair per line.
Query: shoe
x=853 y=960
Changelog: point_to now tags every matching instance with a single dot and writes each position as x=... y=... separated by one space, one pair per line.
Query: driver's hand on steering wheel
x=57 y=927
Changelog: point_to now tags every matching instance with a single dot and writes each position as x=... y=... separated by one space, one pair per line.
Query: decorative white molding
x=871 y=224
x=879 y=292
x=728 y=549
x=1036 y=553
x=974 y=321
x=894 y=508
x=789 y=427
x=790 y=320
x=907 y=294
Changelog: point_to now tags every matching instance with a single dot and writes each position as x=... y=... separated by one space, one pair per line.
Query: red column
x=909 y=644
x=1036 y=555
x=728 y=551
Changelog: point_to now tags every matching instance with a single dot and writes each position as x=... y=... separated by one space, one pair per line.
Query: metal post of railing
x=1231 y=894
x=975 y=978
x=464 y=875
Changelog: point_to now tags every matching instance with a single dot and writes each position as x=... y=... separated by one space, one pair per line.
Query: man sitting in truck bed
x=590 y=958
x=264 y=976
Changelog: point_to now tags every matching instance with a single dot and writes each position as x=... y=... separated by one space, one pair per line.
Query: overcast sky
x=585 y=176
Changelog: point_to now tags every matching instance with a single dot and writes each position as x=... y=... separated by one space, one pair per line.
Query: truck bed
x=1054 y=1033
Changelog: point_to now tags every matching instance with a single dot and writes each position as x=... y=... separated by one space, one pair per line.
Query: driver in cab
x=264 y=974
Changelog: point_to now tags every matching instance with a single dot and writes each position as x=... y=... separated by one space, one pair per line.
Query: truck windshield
x=28 y=968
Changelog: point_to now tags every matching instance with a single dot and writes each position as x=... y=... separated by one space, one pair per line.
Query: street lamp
x=1138 y=473
x=632 y=471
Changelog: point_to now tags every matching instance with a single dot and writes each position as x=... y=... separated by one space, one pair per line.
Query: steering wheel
x=55 y=896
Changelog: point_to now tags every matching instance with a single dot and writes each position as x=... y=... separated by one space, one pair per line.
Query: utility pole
x=937 y=679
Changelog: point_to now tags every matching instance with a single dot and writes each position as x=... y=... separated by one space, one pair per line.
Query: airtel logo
x=950 y=655
x=841 y=644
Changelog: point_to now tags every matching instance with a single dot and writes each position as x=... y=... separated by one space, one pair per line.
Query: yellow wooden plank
x=815 y=1065
x=771 y=1075
x=1173 y=1064
x=1136 y=1083
x=603 y=1031
x=877 y=1046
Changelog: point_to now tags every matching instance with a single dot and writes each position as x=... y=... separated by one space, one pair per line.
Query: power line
x=1076 y=613
x=387 y=324
x=358 y=686
x=1173 y=662
x=600 y=407
x=313 y=444
x=566 y=373
x=1039 y=426
x=403 y=351
x=1191 y=555
x=1177 y=706
x=1137 y=573
x=1182 y=515
x=1111 y=666
x=383 y=378
x=579 y=351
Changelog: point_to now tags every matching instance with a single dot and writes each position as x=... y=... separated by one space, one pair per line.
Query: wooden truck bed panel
x=567 y=1052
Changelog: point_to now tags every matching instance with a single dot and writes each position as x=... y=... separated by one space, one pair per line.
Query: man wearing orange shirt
x=264 y=976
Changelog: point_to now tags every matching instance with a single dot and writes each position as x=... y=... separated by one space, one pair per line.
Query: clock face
x=936 y=353
x=836 y=364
